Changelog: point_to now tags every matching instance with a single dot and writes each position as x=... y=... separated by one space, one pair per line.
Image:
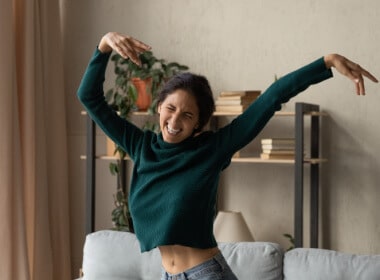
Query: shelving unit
x=302 y=110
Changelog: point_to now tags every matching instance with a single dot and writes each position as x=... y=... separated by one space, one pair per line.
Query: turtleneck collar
x=166 y=145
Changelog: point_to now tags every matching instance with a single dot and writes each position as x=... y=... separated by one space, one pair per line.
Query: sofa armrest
x=315 y=264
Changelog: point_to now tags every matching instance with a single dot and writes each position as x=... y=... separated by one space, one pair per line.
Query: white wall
x=242 y=44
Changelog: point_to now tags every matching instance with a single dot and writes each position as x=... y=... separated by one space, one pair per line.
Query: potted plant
x=121 y=217
x=134 y=83
x=135 y=88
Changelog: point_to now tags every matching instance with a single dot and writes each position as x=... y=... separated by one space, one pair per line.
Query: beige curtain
x=34 y=231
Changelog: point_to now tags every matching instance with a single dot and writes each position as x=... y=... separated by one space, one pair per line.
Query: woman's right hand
x=126 y=46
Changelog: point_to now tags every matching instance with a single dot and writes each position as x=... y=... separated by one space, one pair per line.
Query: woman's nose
x=174 y=120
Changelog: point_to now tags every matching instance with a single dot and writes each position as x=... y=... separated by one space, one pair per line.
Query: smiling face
x=179 y=115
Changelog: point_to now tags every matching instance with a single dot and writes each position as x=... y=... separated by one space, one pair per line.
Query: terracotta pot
x=144 y=97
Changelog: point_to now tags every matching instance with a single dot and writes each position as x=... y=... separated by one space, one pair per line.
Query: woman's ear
x=159 y=108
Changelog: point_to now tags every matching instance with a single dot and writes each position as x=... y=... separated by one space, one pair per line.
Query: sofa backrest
x=320 y=264
x=114 y=255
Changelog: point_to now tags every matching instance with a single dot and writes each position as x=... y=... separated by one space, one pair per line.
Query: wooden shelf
x=279 y=113
x=227 y=114
x=239 y=160
x=283 y=161
x=137 y=113
x=104 y=157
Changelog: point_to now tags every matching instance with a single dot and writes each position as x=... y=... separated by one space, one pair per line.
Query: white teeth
x=172 y=130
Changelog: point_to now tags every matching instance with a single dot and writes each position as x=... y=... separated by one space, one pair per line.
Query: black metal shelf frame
x=301 y=110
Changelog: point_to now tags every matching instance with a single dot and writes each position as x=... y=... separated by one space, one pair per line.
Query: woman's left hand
x=350 y=69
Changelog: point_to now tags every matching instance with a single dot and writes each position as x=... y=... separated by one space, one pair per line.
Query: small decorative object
x=230 y=226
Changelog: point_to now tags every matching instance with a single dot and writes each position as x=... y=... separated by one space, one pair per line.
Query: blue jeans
x=213 y=269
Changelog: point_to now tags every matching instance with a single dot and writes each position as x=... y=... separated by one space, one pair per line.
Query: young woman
x=176 y=172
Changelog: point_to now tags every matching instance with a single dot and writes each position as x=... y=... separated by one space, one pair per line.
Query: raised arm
x=244 y=128
x=91 y=93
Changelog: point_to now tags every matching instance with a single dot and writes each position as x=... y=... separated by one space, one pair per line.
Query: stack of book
x=278 y=148
x=235 y=101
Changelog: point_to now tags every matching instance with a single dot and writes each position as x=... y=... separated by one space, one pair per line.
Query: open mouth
x=172 y=131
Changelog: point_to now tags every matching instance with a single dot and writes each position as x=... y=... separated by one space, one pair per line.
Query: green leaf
x=121 y=152
x=114 y=168
x=291 y=240
x=132 y=92
x=120 y=196
x=119 y=81
x=109 y=95
x=115 y=58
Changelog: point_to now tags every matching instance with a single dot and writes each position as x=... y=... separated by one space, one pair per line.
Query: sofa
x=113 y=255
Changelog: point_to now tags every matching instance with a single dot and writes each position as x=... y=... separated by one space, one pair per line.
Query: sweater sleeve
x=91 y=95
x=245 y=127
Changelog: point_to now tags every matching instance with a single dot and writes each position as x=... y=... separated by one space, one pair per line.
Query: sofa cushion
x=114 y=255
x=254 y=260
x=313 y=264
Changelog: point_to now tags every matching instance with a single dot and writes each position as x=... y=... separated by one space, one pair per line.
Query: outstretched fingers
x=359 y=73
x=352 y=70
x=127 y=46
x=369 y=76
x=131 y=48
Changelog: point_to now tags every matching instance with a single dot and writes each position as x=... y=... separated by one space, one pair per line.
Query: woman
x=176 y=172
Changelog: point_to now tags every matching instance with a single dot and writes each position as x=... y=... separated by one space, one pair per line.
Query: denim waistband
x=216 y=264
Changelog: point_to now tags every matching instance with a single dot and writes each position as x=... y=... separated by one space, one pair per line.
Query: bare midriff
x=177 y=258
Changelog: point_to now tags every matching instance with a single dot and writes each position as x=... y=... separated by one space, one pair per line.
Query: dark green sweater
x=173 y=187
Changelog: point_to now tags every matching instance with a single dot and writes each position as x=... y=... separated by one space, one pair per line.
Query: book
x=235 y=101
x=275 y=147
x=241 y=93
x=231 y=108
x=272 y=156
x=278 y=152
x=278 y=141
x=229 y=102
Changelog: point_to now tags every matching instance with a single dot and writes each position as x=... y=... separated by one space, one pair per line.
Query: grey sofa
x=112 y=255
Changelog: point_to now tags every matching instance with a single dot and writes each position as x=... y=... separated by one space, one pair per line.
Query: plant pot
x=144 y=97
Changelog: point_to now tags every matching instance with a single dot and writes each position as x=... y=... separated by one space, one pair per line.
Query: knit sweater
x=173 y=187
